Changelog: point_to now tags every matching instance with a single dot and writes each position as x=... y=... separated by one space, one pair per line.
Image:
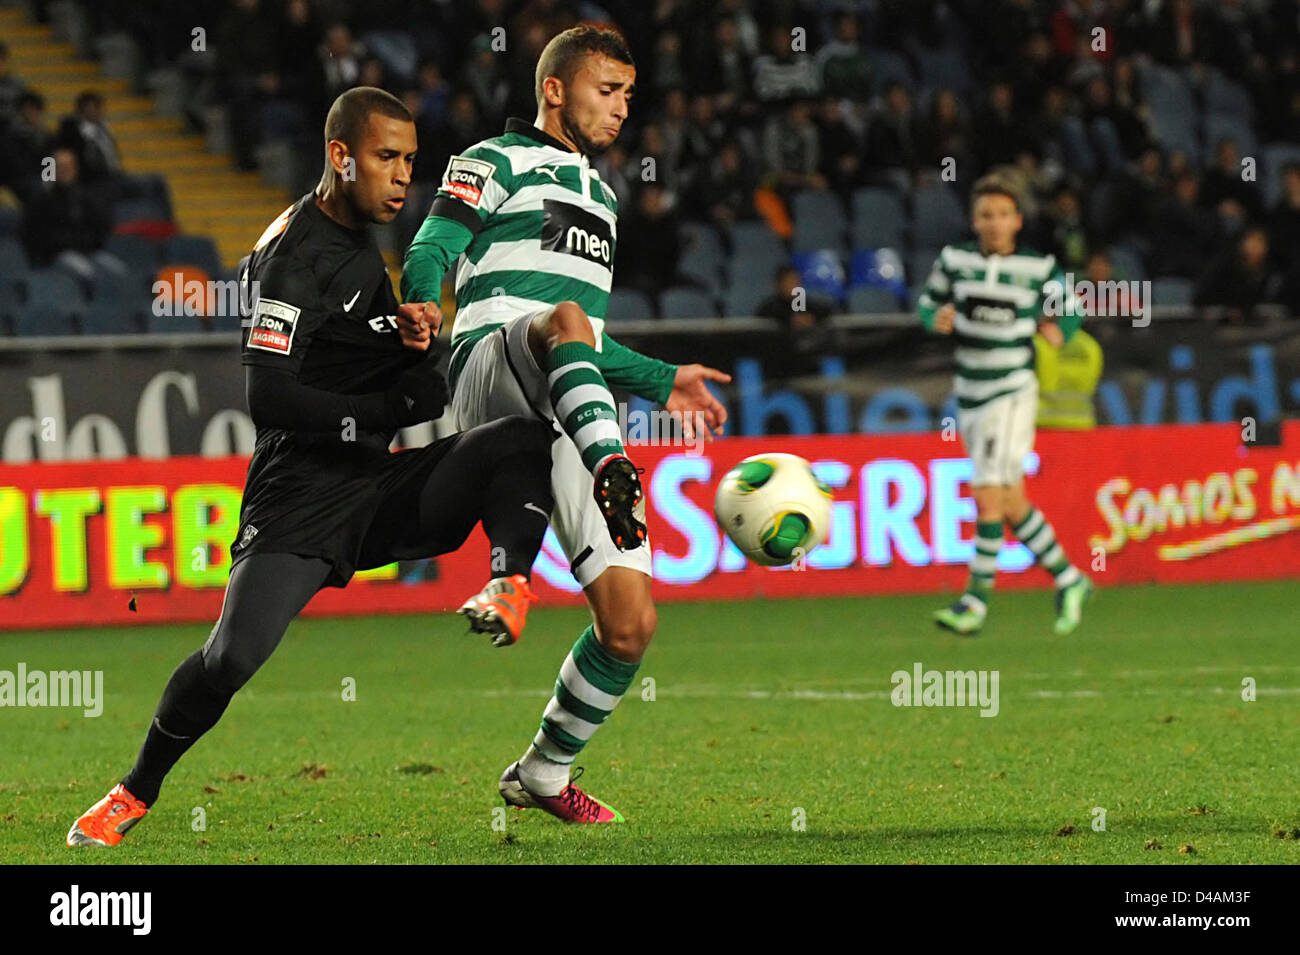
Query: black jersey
x=322 y=307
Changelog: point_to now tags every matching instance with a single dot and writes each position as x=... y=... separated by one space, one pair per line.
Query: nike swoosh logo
x=530 y=506
x=347 y=306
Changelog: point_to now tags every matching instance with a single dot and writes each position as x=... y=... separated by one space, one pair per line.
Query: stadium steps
x=209 y=196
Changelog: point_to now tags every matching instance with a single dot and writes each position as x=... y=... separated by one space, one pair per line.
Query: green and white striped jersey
x=999 y=301
x=544 y=226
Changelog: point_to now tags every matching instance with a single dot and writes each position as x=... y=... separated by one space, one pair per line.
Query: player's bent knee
x=629 y=633
x=567 y=322
x=226 y=670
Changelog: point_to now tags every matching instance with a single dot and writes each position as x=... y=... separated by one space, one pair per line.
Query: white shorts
x=998 y=435
x=500 y=377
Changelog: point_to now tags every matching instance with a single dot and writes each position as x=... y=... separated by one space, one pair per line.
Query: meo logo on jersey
x=990 y=311
x=466 y=178
x=568 y=229
x=273 y=325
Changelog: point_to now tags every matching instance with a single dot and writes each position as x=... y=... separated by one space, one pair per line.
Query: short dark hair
x=565 y=52
x=348 y=116
x=994 y=185
x=87 y=97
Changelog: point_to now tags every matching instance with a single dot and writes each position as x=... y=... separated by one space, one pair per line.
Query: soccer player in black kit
x=334 y=366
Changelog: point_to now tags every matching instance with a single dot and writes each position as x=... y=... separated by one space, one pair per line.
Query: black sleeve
x=276 y=399
x=287 y=312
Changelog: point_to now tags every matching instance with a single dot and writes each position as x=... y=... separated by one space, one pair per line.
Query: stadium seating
x=686 y=302
x=1171 y=291
x=878 y=218
x=54 y=304
x=702 y=258
x=821 y=273
x=870 y=301
x=192 y=250
x=819 y=221
x=626 y=303
x=937 y=216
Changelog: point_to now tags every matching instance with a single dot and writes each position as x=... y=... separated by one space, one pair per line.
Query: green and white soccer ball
x=773 y=508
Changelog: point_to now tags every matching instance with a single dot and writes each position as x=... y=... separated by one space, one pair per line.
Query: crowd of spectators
x=743 y=103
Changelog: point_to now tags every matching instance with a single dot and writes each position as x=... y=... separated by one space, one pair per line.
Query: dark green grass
x=761 y=708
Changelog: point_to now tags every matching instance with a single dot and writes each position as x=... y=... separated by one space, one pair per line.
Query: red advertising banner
x=134 y=541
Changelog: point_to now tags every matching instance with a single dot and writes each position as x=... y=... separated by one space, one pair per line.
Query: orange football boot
x=500 y=609
x=106 y=822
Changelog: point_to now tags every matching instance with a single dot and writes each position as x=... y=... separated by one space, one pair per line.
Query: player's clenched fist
x=944 y=317
x=418 y=323
x=420 y=394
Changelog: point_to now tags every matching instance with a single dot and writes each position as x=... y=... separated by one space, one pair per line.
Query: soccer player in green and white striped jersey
x=990 y=295
x=537 y=228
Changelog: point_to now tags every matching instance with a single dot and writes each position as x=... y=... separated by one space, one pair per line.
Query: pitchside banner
x=135 y=541
x=150 y=399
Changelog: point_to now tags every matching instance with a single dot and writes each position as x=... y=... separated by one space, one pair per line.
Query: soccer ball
x=773 y=508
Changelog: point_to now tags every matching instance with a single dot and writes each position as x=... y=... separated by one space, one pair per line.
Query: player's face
x=596 y=103
x=383 y=169
x=996 y=222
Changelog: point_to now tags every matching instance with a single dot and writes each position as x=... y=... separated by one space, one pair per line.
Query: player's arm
x=679 y=388
x=474 y=184
x=935 y=307
x=287 y=314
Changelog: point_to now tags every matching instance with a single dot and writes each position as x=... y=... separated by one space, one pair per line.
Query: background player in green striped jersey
x=537 y=228
x=989 y=294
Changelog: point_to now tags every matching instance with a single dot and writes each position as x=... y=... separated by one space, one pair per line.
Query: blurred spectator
x=648 y=245
x=1063 y=233
x=724 y=194
x=302 y=78
x=722 y=70
x=1242 y=278
x=66 y=224
x=1183 y=234
x=1000 y=128
x=843 y=63
x=484 y=77
x=944 y=133
x=781 y=74
x=791 y=152
x=1101 y=270
x=1225 y=190
x=807 y=327
x=1284 y=222
x=86 y=134
x=246 y=73
x=841 y=149
x=891 y=146
x=10 y=88
x=341 y=59
x=29 y=142
x=1129 y=111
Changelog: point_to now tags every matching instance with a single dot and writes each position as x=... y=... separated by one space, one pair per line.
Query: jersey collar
x=524 y=128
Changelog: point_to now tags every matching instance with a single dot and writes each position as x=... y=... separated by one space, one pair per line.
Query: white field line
x=708 y=692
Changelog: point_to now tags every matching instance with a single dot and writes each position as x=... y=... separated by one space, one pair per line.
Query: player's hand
x=693 y=404
x=1052 y=334
x=944 y=318
x=418 y=323
x=420 y=394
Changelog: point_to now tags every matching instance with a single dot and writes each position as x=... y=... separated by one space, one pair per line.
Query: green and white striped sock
x=582 y=402
x=984 y=563
x=1036 y=534
x=590 y=684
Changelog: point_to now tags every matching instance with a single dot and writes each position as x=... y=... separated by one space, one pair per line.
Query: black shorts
x=356 y=507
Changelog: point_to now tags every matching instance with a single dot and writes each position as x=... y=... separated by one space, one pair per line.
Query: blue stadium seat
x=1171 y=291
x=13 y=260
x=743 y=298
x=878 y=218
x=628 y=303
x=116 y=316
x=139 y=254
x=937 y=217
x=821 y=273
x=702 y=257
x=757 y=246
x=686 y=302
x=819 y=221
x=878 y=268
x=1227 y=98
x=873 y=301
x=919 y=264
x=53 y=306
x=133 y=210
x=193 y=250
x=11 y=221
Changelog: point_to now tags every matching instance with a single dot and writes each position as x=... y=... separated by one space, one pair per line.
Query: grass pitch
x=763 y=714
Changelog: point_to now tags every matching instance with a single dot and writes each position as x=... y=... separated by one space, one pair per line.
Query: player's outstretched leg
x=592 y=681
x=1072 y=585
x=265 y=592
x=564 y=344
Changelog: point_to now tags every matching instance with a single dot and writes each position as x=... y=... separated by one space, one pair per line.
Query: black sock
x=190 y=706
x=516 y=511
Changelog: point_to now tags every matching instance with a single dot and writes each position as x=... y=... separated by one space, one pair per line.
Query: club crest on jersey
x=568 y=229
x=466 y=178
x=272 y=326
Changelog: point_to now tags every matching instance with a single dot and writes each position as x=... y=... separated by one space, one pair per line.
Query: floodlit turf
x=762 y=713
